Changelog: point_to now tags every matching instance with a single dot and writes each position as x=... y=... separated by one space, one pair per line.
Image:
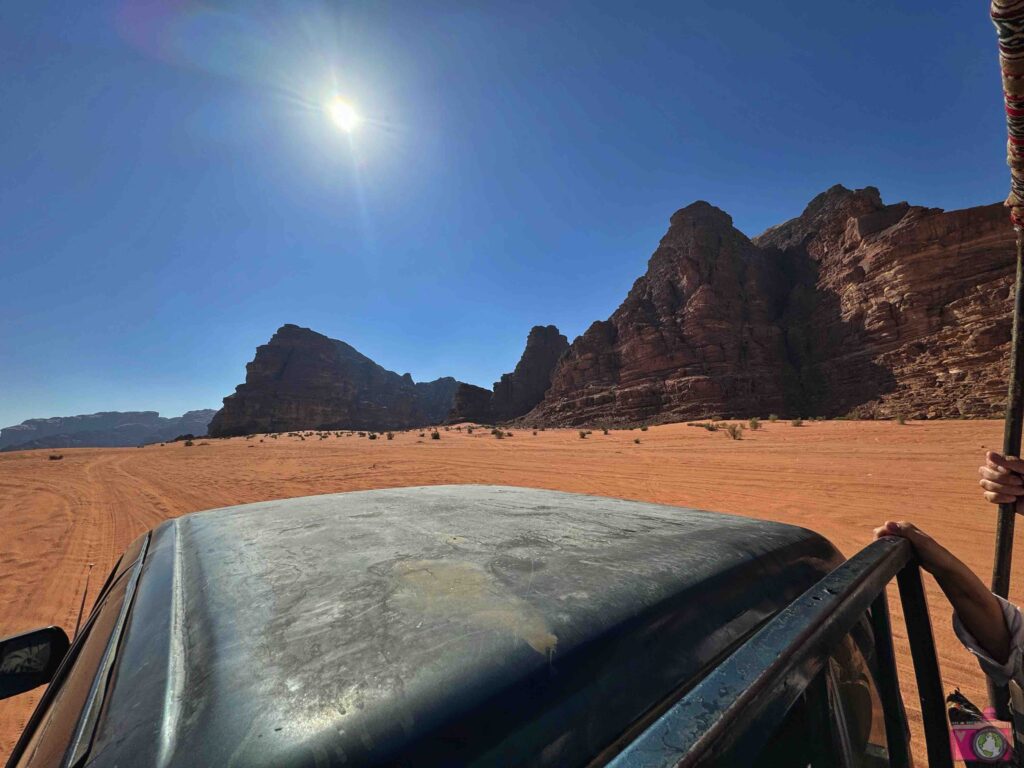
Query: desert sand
x=838 y=478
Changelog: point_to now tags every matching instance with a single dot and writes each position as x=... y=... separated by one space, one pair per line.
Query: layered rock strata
x=852 y=307
x=301 y=379
x=519 y=391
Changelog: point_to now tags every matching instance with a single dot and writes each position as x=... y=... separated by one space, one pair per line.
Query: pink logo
x=990 y=741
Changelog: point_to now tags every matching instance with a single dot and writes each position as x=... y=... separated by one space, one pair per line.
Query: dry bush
x=56 y=456
x=734 y=431
x=798 y=422
x=390 y=435
x=583 y=435
x=636 y=440
x=435 y=435
x=755 y=423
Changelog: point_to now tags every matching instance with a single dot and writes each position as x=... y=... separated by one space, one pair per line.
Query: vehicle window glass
x=55 y=729
x=857 y=706
x=805 y=738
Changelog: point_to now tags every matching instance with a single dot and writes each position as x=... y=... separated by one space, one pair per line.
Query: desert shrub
x=162 y=444
x=458 y=429
x=711 y=426
x=755 y=423
x=423 y=434
x=362 y=434
x=187 y=436
x=261 y=439
x=643 y=428
x=636 y=440
x=605 y=430
x=390 y=435
x=508 y=434
x=798 y=422
x=535 y=432
x=372 y=435
x=435 y=435
x=543 y=429
x=189 y=443
x=734 y=431
x=469 y=430
x=498 y=434
x=583 y=435
x=901 y=419
x=772 y=417
x=56 y=456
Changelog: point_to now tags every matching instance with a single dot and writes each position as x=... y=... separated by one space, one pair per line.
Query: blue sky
x=173 y=191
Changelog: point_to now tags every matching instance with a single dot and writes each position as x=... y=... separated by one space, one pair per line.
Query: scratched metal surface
x=445 y=625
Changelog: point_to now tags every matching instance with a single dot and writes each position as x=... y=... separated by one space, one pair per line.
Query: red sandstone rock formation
x=517 y=392
x=852 y=306
x=302 y=379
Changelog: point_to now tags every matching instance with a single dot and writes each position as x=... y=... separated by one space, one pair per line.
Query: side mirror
x=30 y=659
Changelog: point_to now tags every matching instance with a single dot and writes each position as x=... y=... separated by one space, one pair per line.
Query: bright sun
x=343 y=115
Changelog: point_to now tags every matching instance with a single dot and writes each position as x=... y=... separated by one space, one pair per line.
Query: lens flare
x=343 y=115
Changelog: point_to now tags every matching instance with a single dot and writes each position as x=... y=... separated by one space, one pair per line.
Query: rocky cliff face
x=517 y=392
x=302 y=379
x=852 y=306
x=103 y=430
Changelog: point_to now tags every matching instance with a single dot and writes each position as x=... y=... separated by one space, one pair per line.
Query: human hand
x=1001 y=479
x=933 y=556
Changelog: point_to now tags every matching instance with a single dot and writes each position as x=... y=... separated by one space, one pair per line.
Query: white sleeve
x=1000 y=673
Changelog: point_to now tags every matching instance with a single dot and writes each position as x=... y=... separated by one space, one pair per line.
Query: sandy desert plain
x=840 y=478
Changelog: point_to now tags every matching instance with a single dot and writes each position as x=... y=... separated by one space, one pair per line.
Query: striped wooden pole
x=1008 y=17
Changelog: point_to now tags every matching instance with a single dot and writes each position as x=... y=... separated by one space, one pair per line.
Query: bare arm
x=978 y=609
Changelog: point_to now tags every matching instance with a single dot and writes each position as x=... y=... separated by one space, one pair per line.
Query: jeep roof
x=433 y=625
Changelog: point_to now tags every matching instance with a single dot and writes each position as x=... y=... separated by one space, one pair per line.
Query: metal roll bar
x=727 y=718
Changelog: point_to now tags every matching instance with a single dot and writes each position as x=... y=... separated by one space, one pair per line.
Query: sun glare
x=343 y=115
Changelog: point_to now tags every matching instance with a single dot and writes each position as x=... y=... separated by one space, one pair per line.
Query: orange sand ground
x=838 y=478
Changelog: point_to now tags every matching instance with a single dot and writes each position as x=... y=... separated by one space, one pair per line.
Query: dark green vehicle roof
x=447 y=625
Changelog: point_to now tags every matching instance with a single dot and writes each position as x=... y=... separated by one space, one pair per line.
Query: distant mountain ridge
x=107 y=429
